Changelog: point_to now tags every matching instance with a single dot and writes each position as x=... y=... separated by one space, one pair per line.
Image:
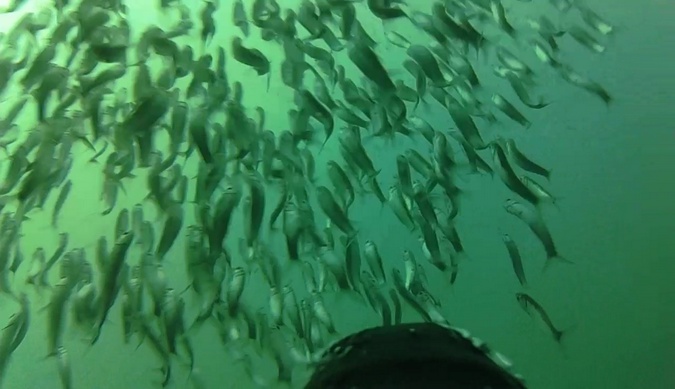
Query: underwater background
x=614 y=219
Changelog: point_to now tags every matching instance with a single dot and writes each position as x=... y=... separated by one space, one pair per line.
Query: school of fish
x=257 y=204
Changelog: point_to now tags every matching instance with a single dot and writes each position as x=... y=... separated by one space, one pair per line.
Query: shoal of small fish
x=260 y=204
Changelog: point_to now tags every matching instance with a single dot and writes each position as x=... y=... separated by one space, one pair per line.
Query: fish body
x=516 y=260
x=532 y=218
x=532 y=307
x=110 y=281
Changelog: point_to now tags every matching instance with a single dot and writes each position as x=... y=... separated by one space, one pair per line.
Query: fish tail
x=50 y=354
x=351 y=237
x=454 y=271
x=135 y=64
x=556 y=258
x=556 y=202
x=97 y=334
x=292 y=248
x=560 y=335
x=166 y=371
